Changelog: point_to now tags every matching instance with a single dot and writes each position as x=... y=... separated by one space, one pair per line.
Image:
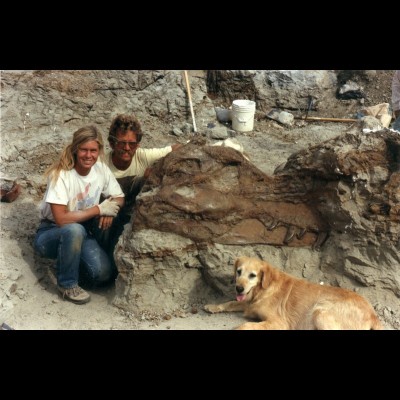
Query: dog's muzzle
x=239 y=289
x=240 y=296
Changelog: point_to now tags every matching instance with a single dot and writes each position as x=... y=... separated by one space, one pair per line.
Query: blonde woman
x=72 y=216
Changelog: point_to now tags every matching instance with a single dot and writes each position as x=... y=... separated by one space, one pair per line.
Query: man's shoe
x=75 y=294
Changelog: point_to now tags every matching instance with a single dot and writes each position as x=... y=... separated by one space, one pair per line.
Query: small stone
x=13 y=288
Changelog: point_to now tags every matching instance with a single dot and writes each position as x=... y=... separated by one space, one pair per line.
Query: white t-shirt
x=142 y=159
x=80 y=192
x=131 y=179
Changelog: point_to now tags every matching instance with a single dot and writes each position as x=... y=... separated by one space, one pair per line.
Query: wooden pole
x=190 y=100
x=328 y=119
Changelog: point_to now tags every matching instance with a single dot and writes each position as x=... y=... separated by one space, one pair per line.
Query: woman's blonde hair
x=68 y=156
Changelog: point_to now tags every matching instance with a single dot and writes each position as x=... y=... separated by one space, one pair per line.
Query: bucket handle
x=242 y=120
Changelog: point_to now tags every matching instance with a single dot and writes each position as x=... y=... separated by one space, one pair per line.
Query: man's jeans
x=74 y=246
x=108 y=238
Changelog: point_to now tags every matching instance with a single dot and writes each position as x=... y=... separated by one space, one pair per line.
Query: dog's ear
x=237 y=261
x=264 y=278
x=235 y=267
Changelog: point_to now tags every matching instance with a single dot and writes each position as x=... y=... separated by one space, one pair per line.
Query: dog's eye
x=239 y=271
x=251 y=276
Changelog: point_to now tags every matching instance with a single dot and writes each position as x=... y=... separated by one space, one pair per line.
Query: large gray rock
x=343 y=194
x=290 y=89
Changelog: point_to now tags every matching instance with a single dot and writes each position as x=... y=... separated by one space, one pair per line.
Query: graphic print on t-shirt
x=83 y=201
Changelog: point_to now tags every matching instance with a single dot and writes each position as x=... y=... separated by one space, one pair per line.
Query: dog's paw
x=213 y=308
x=248 y=326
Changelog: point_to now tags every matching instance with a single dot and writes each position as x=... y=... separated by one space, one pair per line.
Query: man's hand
x=105 y=222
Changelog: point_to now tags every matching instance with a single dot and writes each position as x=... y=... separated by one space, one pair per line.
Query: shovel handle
x=190 y=99
x=328 y=119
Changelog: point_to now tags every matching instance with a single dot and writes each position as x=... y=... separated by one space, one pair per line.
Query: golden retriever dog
x=281 y=301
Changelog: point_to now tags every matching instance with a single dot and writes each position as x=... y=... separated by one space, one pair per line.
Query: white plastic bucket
x=243 y=115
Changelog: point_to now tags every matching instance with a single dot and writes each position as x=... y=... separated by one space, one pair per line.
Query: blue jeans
x=78 y=253
x=108 y=238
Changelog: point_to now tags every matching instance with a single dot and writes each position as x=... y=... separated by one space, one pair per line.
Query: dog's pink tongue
x=240 y=297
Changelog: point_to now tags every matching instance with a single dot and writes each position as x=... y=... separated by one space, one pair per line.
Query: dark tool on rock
x=310 y=102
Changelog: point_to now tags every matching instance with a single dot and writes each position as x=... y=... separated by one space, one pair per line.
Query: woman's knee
x=74 y=230
x=43 y=244
x=73 y=235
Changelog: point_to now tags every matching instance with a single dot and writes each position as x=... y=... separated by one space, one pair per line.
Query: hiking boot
x=75 y=294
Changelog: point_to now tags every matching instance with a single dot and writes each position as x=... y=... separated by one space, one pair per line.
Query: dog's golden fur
x=281 y=301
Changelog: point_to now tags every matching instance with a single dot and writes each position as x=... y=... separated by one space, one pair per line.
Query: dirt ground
x=32 y=301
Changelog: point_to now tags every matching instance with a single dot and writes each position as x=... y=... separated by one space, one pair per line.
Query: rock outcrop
x=204 y=205
x=288 y=89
